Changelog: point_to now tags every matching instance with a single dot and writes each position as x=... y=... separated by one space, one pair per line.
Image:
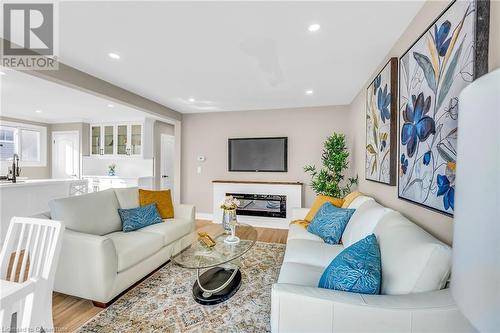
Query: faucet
x=15 y=167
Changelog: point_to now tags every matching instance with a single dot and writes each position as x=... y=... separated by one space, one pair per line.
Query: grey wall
x=207 y=133
x=439 y=225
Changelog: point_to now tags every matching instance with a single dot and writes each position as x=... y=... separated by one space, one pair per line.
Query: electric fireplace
x=266 y=205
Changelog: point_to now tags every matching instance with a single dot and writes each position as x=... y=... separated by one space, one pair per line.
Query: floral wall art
x=381 y=121
x=444 y=60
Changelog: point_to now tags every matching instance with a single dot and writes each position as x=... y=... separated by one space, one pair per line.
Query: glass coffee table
x=217 y=268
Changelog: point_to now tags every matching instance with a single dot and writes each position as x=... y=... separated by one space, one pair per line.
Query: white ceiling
x=232 y=56
x=23 y=94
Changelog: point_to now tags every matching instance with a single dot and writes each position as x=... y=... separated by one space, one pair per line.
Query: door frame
x=52 y=141
x=171 y=138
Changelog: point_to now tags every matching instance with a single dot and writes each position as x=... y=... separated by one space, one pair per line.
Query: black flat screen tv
x=258 y=154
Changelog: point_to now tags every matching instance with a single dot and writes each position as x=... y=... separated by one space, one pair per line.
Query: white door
x=65 y=155
x=167 y=162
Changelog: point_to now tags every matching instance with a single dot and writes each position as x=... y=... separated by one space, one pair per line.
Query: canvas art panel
x=432 y=73
x=381 y=120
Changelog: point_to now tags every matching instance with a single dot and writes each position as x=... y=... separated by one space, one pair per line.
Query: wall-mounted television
x=258 y=154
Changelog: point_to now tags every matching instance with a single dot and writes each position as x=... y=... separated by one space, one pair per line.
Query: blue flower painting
x=381 y=128
x=432 y=74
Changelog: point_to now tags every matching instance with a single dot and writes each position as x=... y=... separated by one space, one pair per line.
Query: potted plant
x=111 y=169
x=329 y=179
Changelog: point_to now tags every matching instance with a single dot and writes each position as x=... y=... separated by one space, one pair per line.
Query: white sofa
x=415 y=270
x=98 y=261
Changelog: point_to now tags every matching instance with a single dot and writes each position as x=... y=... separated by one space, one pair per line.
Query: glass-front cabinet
x=109 y=140
x=95 y=138
x=122 y=139
x=136 y=139
x=116 y=139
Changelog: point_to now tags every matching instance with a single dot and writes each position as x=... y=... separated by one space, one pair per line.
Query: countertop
x=35 y=182
x=113 y=177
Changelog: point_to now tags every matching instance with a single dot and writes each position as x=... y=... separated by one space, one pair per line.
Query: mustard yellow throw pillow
x=162 y=199
x=318 y=202
x=350 y=198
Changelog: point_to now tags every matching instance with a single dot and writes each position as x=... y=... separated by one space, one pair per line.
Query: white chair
x=78 y=187
x=28 y=264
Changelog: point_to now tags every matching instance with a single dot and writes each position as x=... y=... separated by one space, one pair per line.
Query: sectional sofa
x=98 y=260
x=415 y=270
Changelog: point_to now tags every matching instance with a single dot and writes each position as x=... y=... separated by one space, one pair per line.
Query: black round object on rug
x=212 y=279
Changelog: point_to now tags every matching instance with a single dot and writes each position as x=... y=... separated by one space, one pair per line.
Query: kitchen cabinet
x=101 y=183
x=116 y=139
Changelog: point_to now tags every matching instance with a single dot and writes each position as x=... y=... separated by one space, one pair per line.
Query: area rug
x=164 y=301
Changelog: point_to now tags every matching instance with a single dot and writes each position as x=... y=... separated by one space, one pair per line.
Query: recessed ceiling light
x=191 y=100
x=110 y=105
x=309 y=92
x=314 y=27
x=38 y=111
x=114 y=55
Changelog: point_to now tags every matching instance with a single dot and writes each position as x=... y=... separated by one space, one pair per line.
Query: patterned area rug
x=164 y=301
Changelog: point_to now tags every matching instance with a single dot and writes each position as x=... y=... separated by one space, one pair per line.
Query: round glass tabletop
x=199 y=256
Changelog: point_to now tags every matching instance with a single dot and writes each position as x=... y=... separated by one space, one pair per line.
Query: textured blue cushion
x=329 y=222
x=357 y=269
x=140 y=217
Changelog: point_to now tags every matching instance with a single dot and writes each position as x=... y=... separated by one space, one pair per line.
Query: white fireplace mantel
x=292 y=191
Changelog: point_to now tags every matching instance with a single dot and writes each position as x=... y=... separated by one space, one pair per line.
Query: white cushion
x=363 y=222
x=170 y=230
x=413 y=261
x=296 y=231
x=128 y=197
x=132 y=247
x=301 y=274
x=356 y=203
x=311 y=252
x=94 y=213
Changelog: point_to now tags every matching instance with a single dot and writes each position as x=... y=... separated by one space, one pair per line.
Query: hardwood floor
x=71 y=312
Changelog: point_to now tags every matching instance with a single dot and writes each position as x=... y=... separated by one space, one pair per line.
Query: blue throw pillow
x=329 y=222
x=140 y=217
x=357 y=269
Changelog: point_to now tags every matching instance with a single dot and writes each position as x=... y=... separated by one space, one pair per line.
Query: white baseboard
x=204 y=216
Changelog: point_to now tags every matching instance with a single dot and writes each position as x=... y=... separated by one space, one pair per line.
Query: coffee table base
x=212 y=279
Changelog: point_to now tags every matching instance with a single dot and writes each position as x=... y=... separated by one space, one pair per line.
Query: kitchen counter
x=34 y=182
x=29 y=197
x=103 y=182
x=114 y=177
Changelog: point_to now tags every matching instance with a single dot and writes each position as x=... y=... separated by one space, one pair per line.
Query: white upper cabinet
x=116 y=139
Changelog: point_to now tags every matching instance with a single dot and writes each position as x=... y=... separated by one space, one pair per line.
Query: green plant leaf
x=448 y=77
x=426 y=65
x=329 y=179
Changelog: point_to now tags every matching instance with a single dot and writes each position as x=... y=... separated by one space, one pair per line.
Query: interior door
x=65 y=155
x=167 y=162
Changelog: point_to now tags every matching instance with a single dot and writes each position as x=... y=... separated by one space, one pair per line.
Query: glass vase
x=228 y=218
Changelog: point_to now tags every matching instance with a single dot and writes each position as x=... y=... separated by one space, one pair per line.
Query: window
x=28 y=141
x=30 y=146
x=7 y=145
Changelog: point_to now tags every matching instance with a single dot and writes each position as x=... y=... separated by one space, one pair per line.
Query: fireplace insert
x=267 y=205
